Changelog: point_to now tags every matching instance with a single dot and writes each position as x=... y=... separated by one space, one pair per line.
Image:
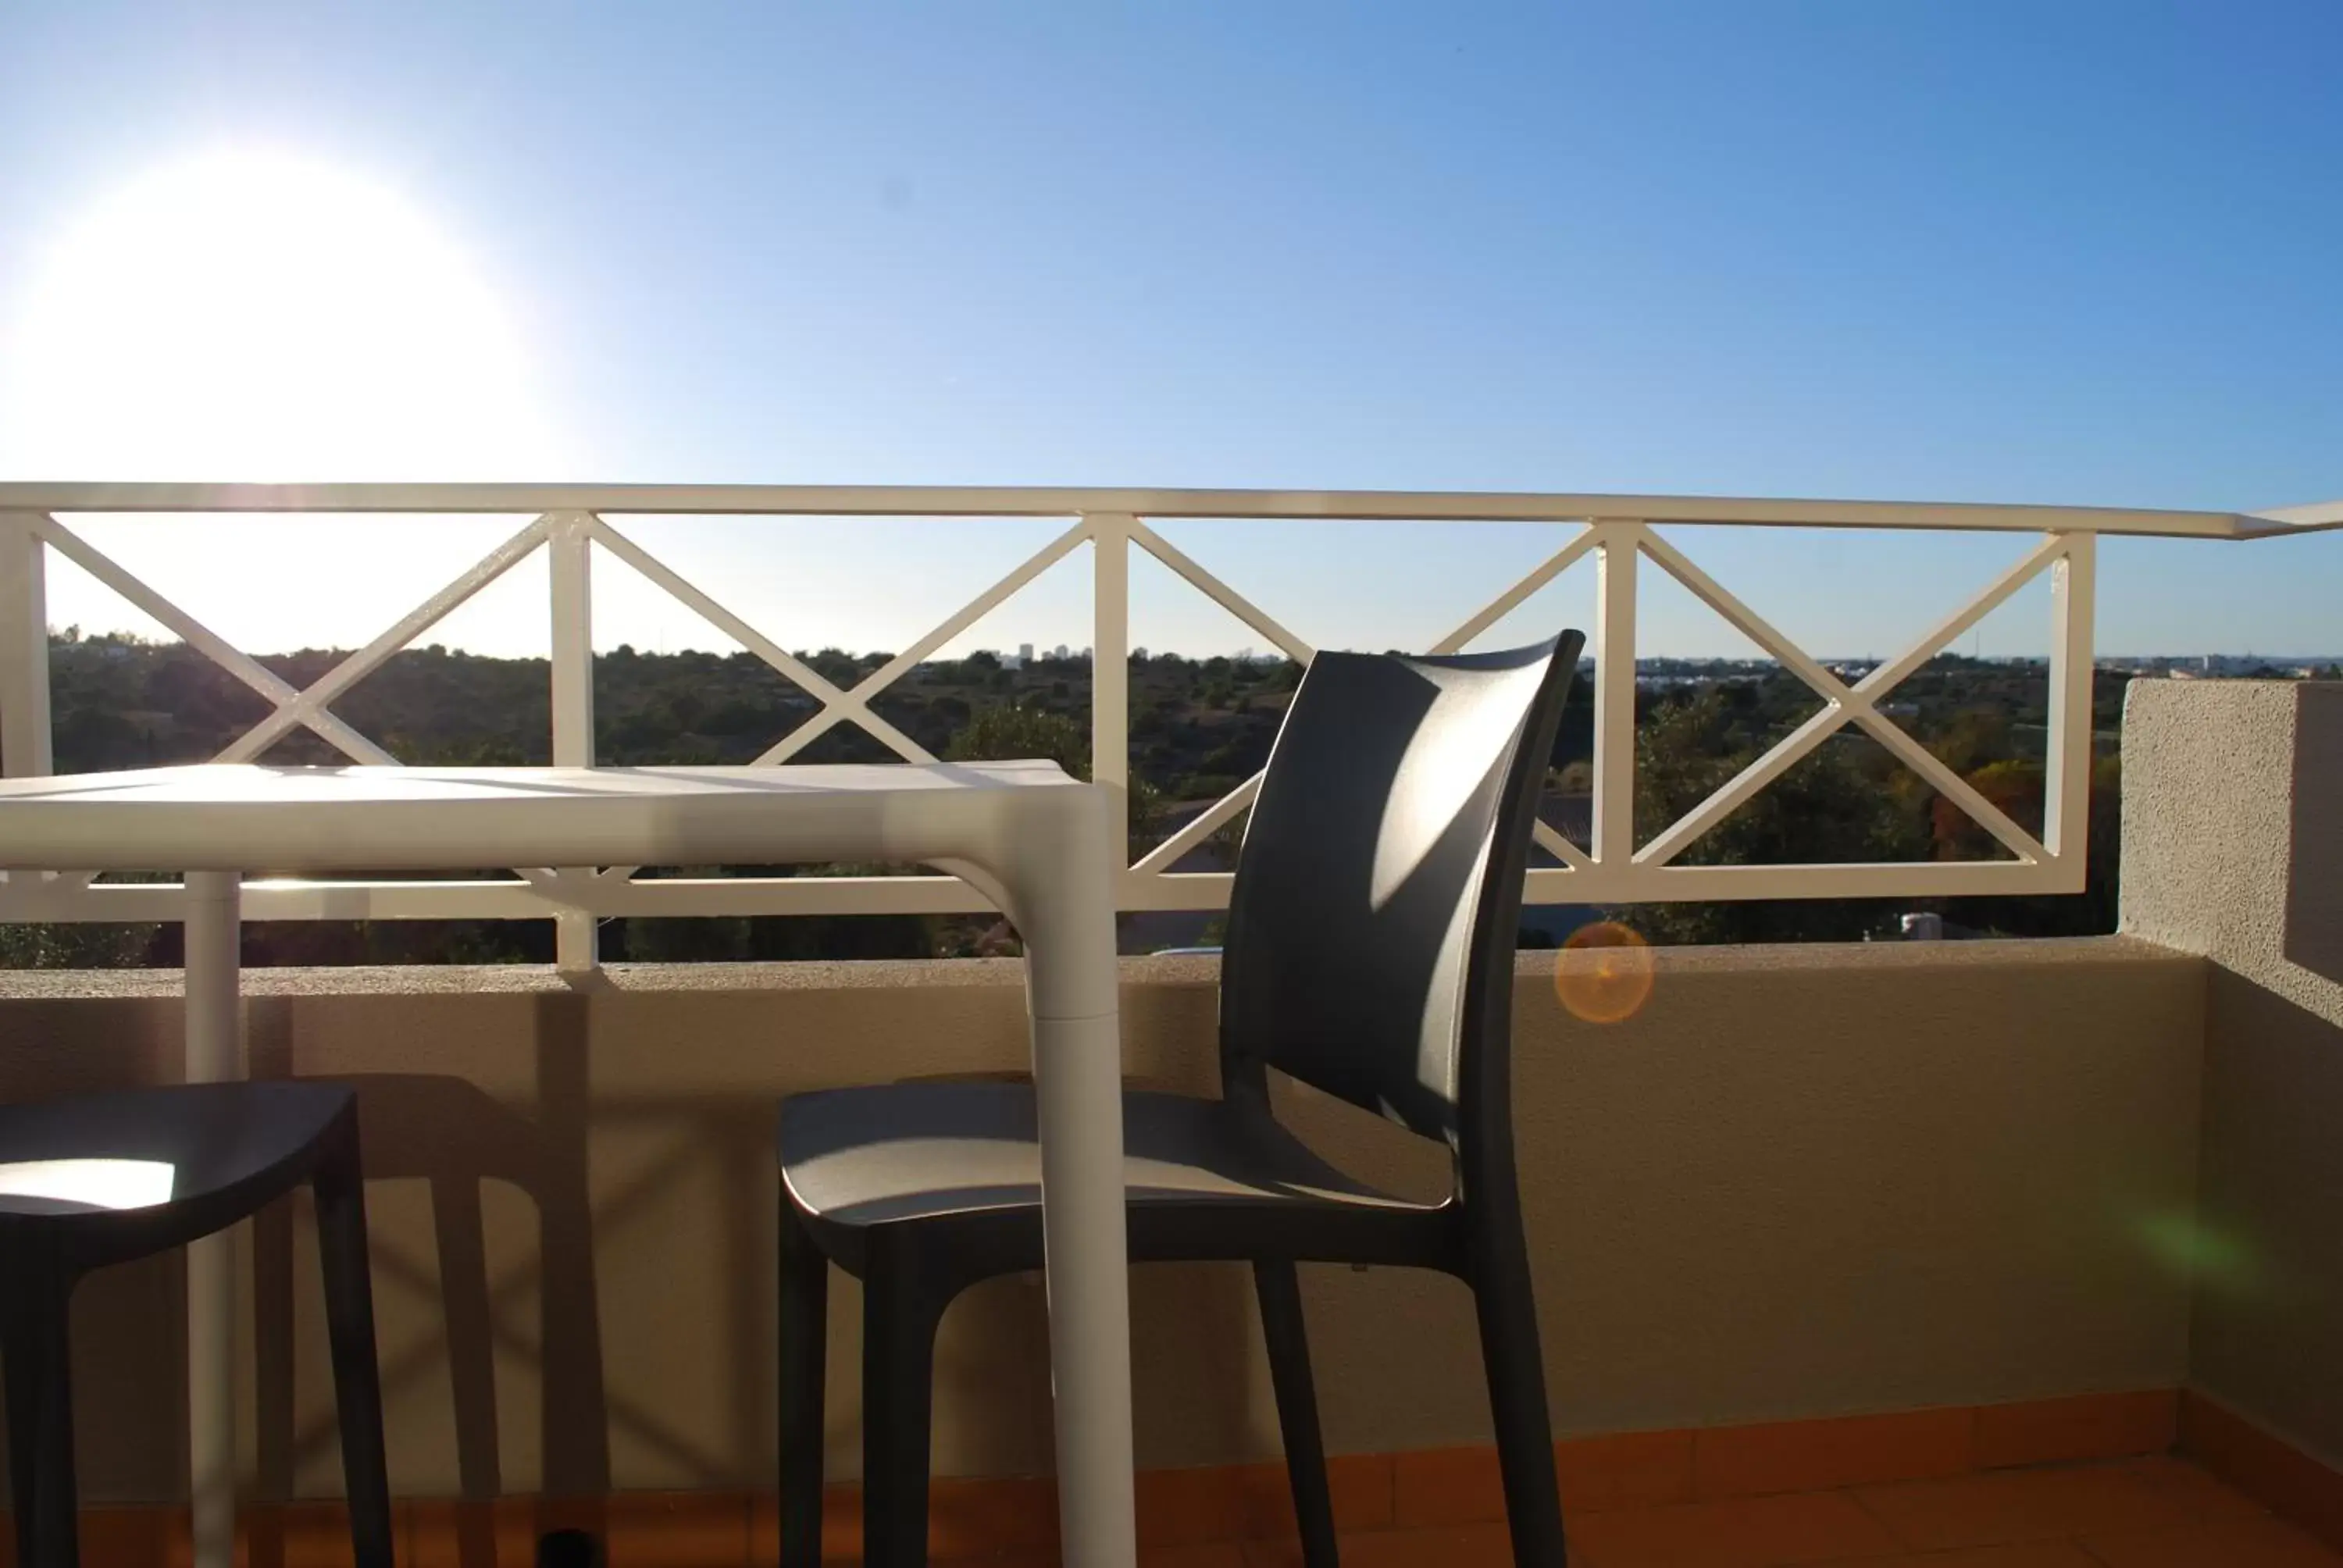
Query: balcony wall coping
x=1167 y=969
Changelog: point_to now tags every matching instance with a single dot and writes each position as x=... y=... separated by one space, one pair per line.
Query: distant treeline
x=1197 y=727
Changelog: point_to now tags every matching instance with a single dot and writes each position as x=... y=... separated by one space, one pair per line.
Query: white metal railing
x=1619 y=532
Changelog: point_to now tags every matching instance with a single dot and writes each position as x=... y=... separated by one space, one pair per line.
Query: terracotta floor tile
x=133 y=1537
x=2261 y=1466
x=312 y=1534
x=1625 y=1470
x=1361 y=1484
x=1210 y=1554
x=1183 y=1507
x=841 y=1525
x=2086 y=1426
x=1446 y=1486
x=2248 y=1544
x=2155 y=1511
x=968 y=1517
x=1465 y=1486
x=1039 y=1557
x=680 y=1529
x=1255 y=1502
x=500 y=1533
x=2013 y=1506
x=1848 y=1451
x=2023 y=1555
x=2208 y=1499
x=1734 y=1532
x=1444 y=1546
x=546 y=1514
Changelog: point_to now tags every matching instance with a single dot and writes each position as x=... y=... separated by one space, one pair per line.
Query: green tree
x=1833 y=807
x=78 y=946
x=1005 y=731
x=1972 y=738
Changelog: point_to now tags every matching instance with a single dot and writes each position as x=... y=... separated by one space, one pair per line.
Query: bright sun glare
x=247 y=314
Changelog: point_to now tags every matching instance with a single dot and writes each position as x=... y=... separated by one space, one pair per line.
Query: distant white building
x=1024 y=654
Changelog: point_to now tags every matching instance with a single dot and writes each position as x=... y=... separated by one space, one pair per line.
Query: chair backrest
x=1373 y=924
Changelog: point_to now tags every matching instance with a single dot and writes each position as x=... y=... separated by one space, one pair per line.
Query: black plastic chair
x=167 y=1166
x=1369 y=952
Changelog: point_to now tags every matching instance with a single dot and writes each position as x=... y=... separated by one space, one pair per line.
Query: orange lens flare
x=1604 y=973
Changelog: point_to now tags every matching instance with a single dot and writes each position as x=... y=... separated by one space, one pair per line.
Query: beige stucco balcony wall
x=1800 y=1181
x=2233 y=849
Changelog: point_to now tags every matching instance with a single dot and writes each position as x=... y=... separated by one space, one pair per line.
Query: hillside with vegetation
x=1197 y=727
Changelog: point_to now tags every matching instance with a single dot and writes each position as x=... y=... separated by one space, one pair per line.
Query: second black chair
x=1369 y=952
x=100 y=1179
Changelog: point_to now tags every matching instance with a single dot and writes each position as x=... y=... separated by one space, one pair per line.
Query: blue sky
x=2069 y=253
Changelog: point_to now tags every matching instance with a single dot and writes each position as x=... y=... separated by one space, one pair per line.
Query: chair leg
x=1501 y=1296
x=34 y=1343
x=338 y=1186
x=804 y=1353
x=1297 y=1408
x=900 y=1312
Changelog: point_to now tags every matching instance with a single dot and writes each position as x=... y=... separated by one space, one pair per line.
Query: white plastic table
x=1030 y=838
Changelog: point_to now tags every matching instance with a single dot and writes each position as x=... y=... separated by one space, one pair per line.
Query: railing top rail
x=891 y=500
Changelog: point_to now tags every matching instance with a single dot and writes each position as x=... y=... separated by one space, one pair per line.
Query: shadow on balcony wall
x=455 y=1138
x=2314 y=892
x=2266 y=1254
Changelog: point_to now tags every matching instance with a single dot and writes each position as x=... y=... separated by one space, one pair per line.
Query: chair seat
x=855 y=1157
x=91 y=1180
x=145 y=1148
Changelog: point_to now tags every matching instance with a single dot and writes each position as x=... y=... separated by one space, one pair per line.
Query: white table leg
x=1061 y=891
x=214 y=1052
x=1078 y=1081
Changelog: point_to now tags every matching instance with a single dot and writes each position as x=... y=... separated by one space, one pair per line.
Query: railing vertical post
x=2067 y=786
x=24 y=732
x=1111 y=674
x=1615 y=695
x=569 y=548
